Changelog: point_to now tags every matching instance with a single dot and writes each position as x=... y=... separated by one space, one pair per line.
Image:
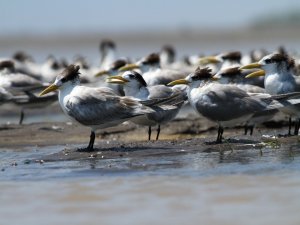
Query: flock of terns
x=229 y=88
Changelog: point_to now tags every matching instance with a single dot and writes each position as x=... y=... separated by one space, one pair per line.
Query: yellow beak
x=176 y=82
x=101 y=73
x=258 y=73
x=129 y=67
x=251 y=66
x=51 y=88
x=209 y=60
x=215 y=78
x=116 y=80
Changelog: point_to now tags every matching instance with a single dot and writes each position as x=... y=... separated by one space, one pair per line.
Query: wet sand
x=182 y=178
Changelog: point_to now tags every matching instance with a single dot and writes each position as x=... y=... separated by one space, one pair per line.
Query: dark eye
x=63 y=80
x=268 y=61
x=131 y=76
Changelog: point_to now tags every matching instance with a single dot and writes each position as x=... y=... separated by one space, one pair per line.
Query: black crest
x=7 y=64
x=82 y=61
x=151 y=59
x=118 y=64
x=282 y=50
x=169 y=49
x=231 y=72
x=201 y=74
x=70 y=73
x=107 y=43
x=139 y=78
x=22 y=56
x=279 y=58
x=234 y=56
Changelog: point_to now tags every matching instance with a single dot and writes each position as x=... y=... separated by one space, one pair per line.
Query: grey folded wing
x=98 y=110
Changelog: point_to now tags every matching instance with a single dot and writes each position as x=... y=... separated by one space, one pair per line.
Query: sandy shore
x=130 y=140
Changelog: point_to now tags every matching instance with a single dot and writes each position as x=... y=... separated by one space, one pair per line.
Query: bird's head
x=7 y=65
x=69 y=76
x=22 y=57
x=196 y=78
x=113 y=68
x=228 y=75
x=270 y=64
x=233 y=57
x=107 y=45
x=167 y=54
x=145 y=64
x=129 y=78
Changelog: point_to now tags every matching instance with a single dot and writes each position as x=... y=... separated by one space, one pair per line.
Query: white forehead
x=266 y=57
x=127 y=73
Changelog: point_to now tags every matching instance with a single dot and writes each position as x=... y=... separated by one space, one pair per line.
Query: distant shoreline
x=135 y=44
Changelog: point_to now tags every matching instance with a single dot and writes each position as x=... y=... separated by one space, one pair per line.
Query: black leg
x=290 y=125
x=149 y=133
x=246 y=129
x=21 y=117
x=297 y=124
x=158 y=132
x=220 y=135
x=90 y=147
x=251 y=129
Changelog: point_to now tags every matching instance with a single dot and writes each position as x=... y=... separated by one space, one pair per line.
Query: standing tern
x=18 y=84
x=93 y=107
x=151 y=71
x=221 y=61
x=227 y=105
x=108 y=53
x=135 y=85
x=112 y=70
x=277 y=70
x=236 y=76
x=14 y=81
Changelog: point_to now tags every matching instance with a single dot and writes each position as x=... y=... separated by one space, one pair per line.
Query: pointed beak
x=129 y=67
x=116 y=80
x=251 y=66
x=101 y=73
x=216 y=77
x=51 y=88
x=176 y=82
x=258 y=73
x=209 y=60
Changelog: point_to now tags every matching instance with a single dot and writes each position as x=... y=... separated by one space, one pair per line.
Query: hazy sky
x=57 y=16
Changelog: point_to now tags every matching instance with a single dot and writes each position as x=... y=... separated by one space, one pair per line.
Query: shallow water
x=234 y=187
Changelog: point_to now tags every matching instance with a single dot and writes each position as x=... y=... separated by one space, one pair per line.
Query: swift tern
x=151 y=71
x=112 y=70
x=135 y=85
x=227 y=105
x=277 y=70
x=236 y=76
x=14 y=81
x=93 y=107
x=18 y=84
x=221 y=61
x=108 y=53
